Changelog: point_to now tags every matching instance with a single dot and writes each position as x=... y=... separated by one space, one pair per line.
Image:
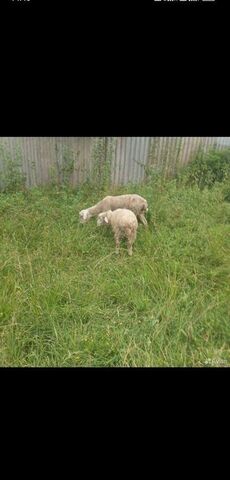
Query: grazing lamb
x=123 y=223
x=133 y=202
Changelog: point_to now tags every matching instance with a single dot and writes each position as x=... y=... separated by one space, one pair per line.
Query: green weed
x=66 y=299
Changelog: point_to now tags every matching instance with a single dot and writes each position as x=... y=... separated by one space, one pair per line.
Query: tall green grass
x=66 y=299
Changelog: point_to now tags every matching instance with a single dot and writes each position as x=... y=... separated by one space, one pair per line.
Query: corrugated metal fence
x=77 y=159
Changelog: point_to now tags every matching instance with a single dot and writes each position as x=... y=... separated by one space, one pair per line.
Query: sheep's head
x=84 y=216
x=102 y=218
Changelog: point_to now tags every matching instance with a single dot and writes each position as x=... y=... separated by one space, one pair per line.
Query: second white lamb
x=124 y=224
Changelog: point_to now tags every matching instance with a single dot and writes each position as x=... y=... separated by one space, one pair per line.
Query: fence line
x=74 y=158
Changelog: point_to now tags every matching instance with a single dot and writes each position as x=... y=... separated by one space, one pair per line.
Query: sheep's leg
x=117 y=242
x=130 y=248
x=143 y=219
x=130 y=241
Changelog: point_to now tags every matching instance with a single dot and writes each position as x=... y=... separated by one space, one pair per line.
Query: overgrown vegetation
x=66 y=299
x=102 y=152
x=67 y=166
x=12 y=178
x=207 y=168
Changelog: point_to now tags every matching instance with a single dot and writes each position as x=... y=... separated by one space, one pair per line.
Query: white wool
x=124 y=224
x=133 y=202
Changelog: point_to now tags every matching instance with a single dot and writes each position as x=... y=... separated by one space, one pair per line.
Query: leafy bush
x=207 y=168
x=226 y=190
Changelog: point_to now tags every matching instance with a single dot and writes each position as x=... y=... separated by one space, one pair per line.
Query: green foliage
x=102 y=152
x=98 y=160
x=169 y=157
x=66 y=299
x=61 y=174
x=67 y=167
x=12 y=179
x=207 y=168
x=226 y=190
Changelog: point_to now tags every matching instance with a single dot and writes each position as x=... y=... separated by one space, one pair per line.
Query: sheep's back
x=132 y=201
x=123 y=217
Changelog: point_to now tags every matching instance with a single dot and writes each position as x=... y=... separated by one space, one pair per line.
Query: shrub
x=207 y=168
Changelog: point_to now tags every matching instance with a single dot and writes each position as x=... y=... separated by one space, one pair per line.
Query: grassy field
x=66 y=299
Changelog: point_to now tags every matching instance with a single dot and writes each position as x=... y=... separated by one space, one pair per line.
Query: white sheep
x=133 y=202
x=124 y=224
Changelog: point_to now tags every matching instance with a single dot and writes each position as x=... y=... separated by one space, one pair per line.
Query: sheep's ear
x=106 y=220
